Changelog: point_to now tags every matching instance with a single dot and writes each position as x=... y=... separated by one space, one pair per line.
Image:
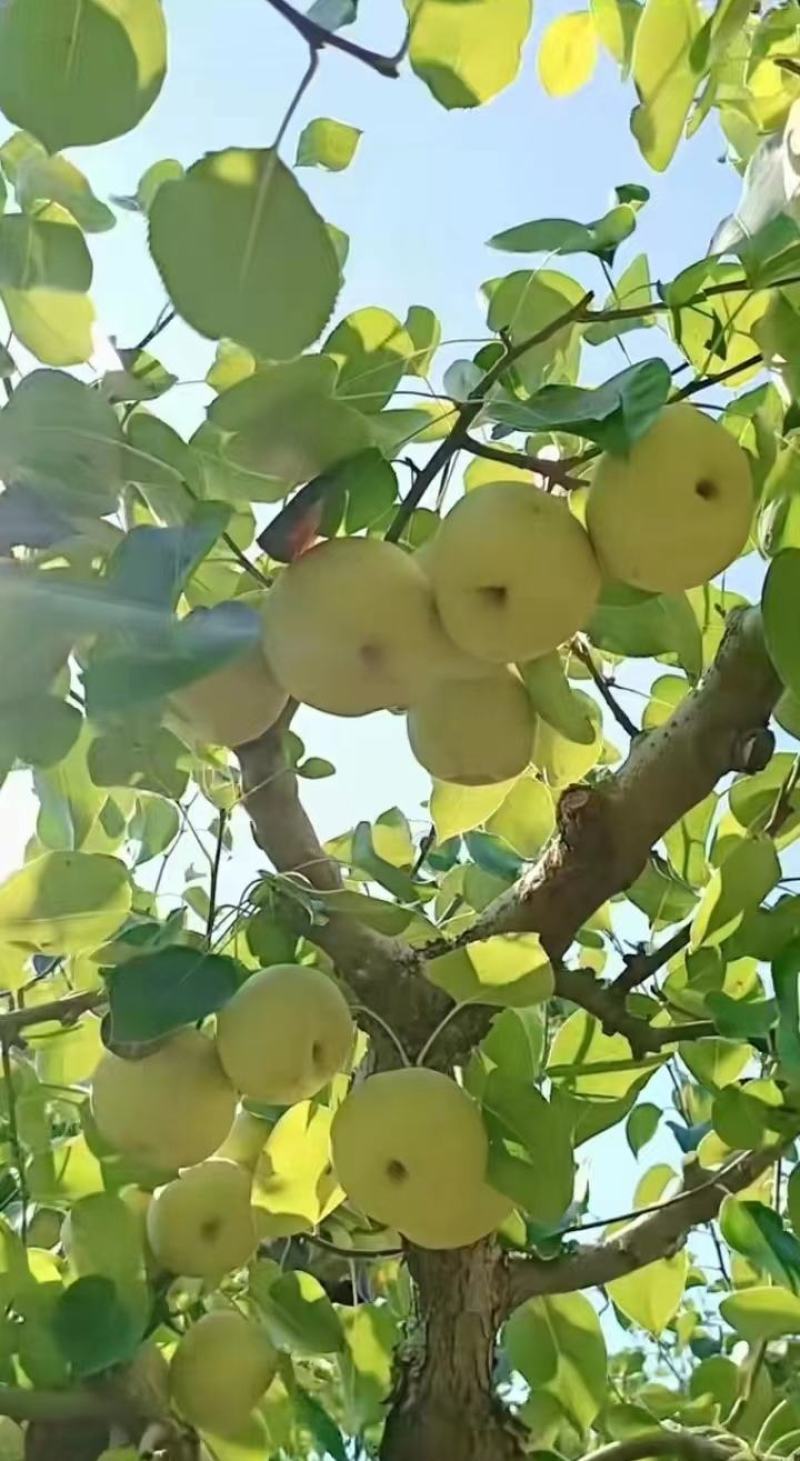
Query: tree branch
x=641 y=966
x=582 y=652
x=656 y=1235
x=383 y=972
x=53 y=1405
x=470 y=410
x=317 y=37
x=606 y=1004
x=605 y=832
x=687 y=1445
x=64 y=1011
x=556 y=471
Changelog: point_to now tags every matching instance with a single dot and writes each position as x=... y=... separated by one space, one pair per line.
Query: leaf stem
x=317 y=37
x=582 y=652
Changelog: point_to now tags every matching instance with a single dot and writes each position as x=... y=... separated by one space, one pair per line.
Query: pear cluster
x=356 y=625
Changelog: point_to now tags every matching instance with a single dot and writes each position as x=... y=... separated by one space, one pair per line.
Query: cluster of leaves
x=113 y=528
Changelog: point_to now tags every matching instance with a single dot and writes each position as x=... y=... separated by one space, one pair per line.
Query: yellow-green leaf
x=663 y=75
x=568 y=53
x=457 y=809
x=502 y=970
x=294 y=1187
x=650 y=1297
x=466 y=54
x=527 y=818
x=762 y=1313
x=327 y=143
x=557 y=1345
x=587 y=1062
x=750 y=870
x=64 y=902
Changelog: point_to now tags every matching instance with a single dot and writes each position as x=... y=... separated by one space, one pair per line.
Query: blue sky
x=426 y=189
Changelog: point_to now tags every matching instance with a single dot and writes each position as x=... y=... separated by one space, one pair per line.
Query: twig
x=584 y=654
x=222 y=823
x=317 y=37
x=472 y=408
x=64 y=1011
x=557 y=471
x=305 y=82
x=166 y=316
x=641 y=966
x=712 y=380
x=351 y=1252
x=14 y=1137
x=659 y=306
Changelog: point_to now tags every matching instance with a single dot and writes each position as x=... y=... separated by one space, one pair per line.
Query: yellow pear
x=220 y=1370
x=513 y=572
x=473 y=731
x=235 y=704
x=351 y=627
x=201 y=1224
x=677 y=509
x=284 y=1034
x=171 y=1109
x=410 y=1149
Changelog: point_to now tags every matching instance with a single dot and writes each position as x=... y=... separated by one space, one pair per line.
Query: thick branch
x=53 y=1405
x=607 y=1004
x=687 y=1445
x=373 y=964
x=606 y=832
x=657 y=1235
x=641 y=966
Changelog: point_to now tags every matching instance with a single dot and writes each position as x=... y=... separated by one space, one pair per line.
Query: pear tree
x=328 y=1153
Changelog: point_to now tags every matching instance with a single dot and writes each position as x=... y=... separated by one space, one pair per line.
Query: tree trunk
x=444 y=1406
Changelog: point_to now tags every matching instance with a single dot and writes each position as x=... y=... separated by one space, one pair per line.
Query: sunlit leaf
x=567 y=53
x=466 y=54
x=327 y=143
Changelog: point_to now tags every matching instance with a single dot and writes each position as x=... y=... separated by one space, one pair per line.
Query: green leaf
x=102 y=1235
x=371 y=1333
x=300 y=1317
x=567 y=53
x=716 y=1063
x=557 y=1345
x=530 y=1152
x=630 y=623
x=633 y=288
x=287 y=423
x=785 y=975
x=44 y=253
x=75 y=72
x=563 y=236
x=753 y=798
x=64 y=902
x=527 y=301
x=749 y=872
x=526 y=819
x=561 y=759
x=42 y=179
x=780 y=606
x=615 y=415
x=457 y=809
x=152 y=995
x=372 y=350
x=64 y=439
x=553 y=698
x=326 y=143
x=425 y=331
x=152 y=564
x=503 y=971
x=243 y=253
x=758 y=1233
x=150 y=758
x=38 y=730
x=313 y=1416
x=651 y=1296
x=587 y=1062
x=641 y=1126
x=172 y=653
x=394 y=879
x=466 y=54
x=762 y=1313
x=663 y=76
x=515 y=1043
x=94 y=1328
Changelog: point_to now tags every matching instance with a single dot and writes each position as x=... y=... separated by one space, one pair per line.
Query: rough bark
x=645 y=1239
x=444 y=1406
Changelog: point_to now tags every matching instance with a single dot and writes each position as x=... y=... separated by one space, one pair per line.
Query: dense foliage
x=596 y=922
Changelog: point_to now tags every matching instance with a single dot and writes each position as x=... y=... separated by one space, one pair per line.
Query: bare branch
x=607 y=1005
x=470 y=410
x=656 y=1235
x=556 y=471
x=317 y=37
x=64 y=1011
x=582 y=652
x=642 y=966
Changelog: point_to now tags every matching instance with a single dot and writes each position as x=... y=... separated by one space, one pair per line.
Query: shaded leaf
x=152 y=995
